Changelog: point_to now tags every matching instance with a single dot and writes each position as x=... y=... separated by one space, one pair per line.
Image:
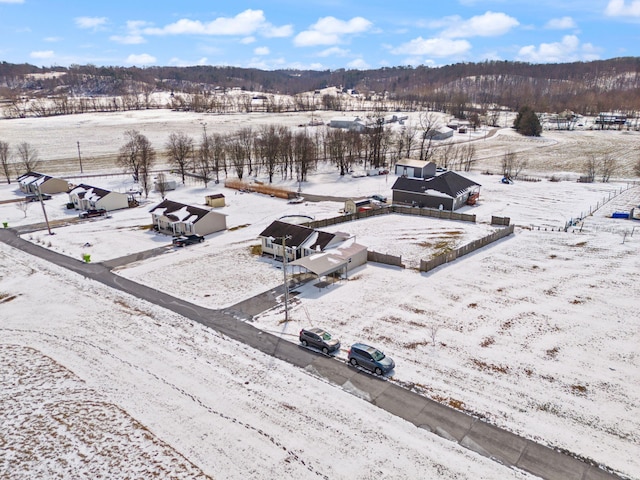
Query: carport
x=321 y=265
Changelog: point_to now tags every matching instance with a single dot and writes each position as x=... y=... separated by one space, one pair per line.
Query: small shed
x=216 y=200
x=412 y=168
x=354 y=206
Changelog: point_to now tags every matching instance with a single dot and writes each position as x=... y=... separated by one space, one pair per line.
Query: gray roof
x=448 y=183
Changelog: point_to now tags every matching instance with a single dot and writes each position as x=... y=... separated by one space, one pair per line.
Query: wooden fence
x=427 y=265
x=385 y=210
x=384 y=258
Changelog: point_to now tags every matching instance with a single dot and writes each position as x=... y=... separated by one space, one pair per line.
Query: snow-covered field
x=537 y=333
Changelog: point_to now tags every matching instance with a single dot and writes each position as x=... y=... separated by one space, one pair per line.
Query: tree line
x=586 y=88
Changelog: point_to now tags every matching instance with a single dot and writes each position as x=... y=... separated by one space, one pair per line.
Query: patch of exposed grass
x=6 y=297
x=552 y=352
x=487 y=342
x=238 y=227
x=579 y=389
x=255 y=249
x=414 y=345
x=491 y=367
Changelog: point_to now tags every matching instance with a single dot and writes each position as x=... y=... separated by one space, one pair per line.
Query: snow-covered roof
x=180 y=212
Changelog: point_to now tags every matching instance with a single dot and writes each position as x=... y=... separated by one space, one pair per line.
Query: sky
x=315 y=34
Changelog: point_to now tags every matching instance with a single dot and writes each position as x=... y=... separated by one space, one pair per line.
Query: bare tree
x=147 y=159
x=433 y=331
x=304 y=151
x=23 y=206
x=267 y=145
x=335 y=143
x=138 y=156
x=28 y=157
x=237 y=156
x=128 y=156
x=179 y=147
x=591 y=166
x=218 y=152
x=428 y=128
x=204 y=160
x=608 y=167
x=4 y=160
x=512 y=165
x=161 y=184
x=467 y=156
x=246 y=137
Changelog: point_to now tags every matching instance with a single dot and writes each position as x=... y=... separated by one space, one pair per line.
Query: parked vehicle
x=93 y=212
x=379 y=198
x=184 y=240
x=370 y=358
x=36 y=198
x=320 y=339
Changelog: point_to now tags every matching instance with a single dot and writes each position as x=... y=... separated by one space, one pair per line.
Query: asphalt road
x=475 y=434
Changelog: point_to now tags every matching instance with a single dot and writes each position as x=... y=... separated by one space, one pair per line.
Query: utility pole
x=46 y=219
x=286 y=286
x=79 y=157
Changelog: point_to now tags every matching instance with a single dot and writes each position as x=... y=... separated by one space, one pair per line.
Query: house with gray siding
x=174 y=218
x=447 y=191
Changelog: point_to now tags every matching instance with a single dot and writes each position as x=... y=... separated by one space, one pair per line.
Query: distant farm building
x=610 y=120
x=349 y=123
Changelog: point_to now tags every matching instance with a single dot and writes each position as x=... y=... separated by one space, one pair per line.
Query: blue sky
x=315 y=34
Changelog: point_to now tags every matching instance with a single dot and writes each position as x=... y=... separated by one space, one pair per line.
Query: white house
x=33 y=182
x=85 y=197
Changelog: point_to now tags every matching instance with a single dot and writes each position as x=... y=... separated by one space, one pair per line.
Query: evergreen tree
x=527 y=122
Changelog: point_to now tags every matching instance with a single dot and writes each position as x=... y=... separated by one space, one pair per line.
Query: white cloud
x=141 y=59
x=567 y=50
x=94 y=23
x=619 y=8
x=261 y=51
x=333 y=52
x=358 y=64
x=271 y=31
x=52 y=39
x=248 y=40
x=436 y=47
x=128 y=39
x=245 y=23
x=490 y=24
x=11 y=1
x=563 y=23
x=42 y=54
x=330 y=31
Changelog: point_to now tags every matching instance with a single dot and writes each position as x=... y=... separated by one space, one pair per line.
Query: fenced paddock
x=427 y=265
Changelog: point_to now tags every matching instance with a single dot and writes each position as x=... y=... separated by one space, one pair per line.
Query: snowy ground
x=538 y=333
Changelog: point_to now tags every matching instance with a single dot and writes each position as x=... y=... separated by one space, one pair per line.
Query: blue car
x=370 y=358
